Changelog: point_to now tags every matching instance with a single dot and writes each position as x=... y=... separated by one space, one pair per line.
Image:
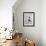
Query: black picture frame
x=28 y=19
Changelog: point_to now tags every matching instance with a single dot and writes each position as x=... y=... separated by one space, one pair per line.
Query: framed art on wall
x=28 y=19
x=13 y=22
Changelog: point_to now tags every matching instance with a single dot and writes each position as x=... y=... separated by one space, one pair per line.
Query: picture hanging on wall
x=28 y=19
x=13 y=22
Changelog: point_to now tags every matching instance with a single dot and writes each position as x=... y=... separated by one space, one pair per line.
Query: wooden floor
x=9 y=43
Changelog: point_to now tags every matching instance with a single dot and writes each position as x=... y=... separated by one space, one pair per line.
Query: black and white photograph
x=28 y=18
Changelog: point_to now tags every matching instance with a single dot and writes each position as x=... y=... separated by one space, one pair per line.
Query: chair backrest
x=18 y=37
x=29 y=43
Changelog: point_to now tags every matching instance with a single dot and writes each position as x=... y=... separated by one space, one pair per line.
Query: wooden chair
x=29 y=43
x=18 y=39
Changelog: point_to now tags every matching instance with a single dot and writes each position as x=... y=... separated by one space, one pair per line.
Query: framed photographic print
x=28 y=19
x=13 y=22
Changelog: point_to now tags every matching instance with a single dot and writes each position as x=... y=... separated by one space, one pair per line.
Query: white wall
x=32 y=33
x=6 y=13
x=43 y=22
